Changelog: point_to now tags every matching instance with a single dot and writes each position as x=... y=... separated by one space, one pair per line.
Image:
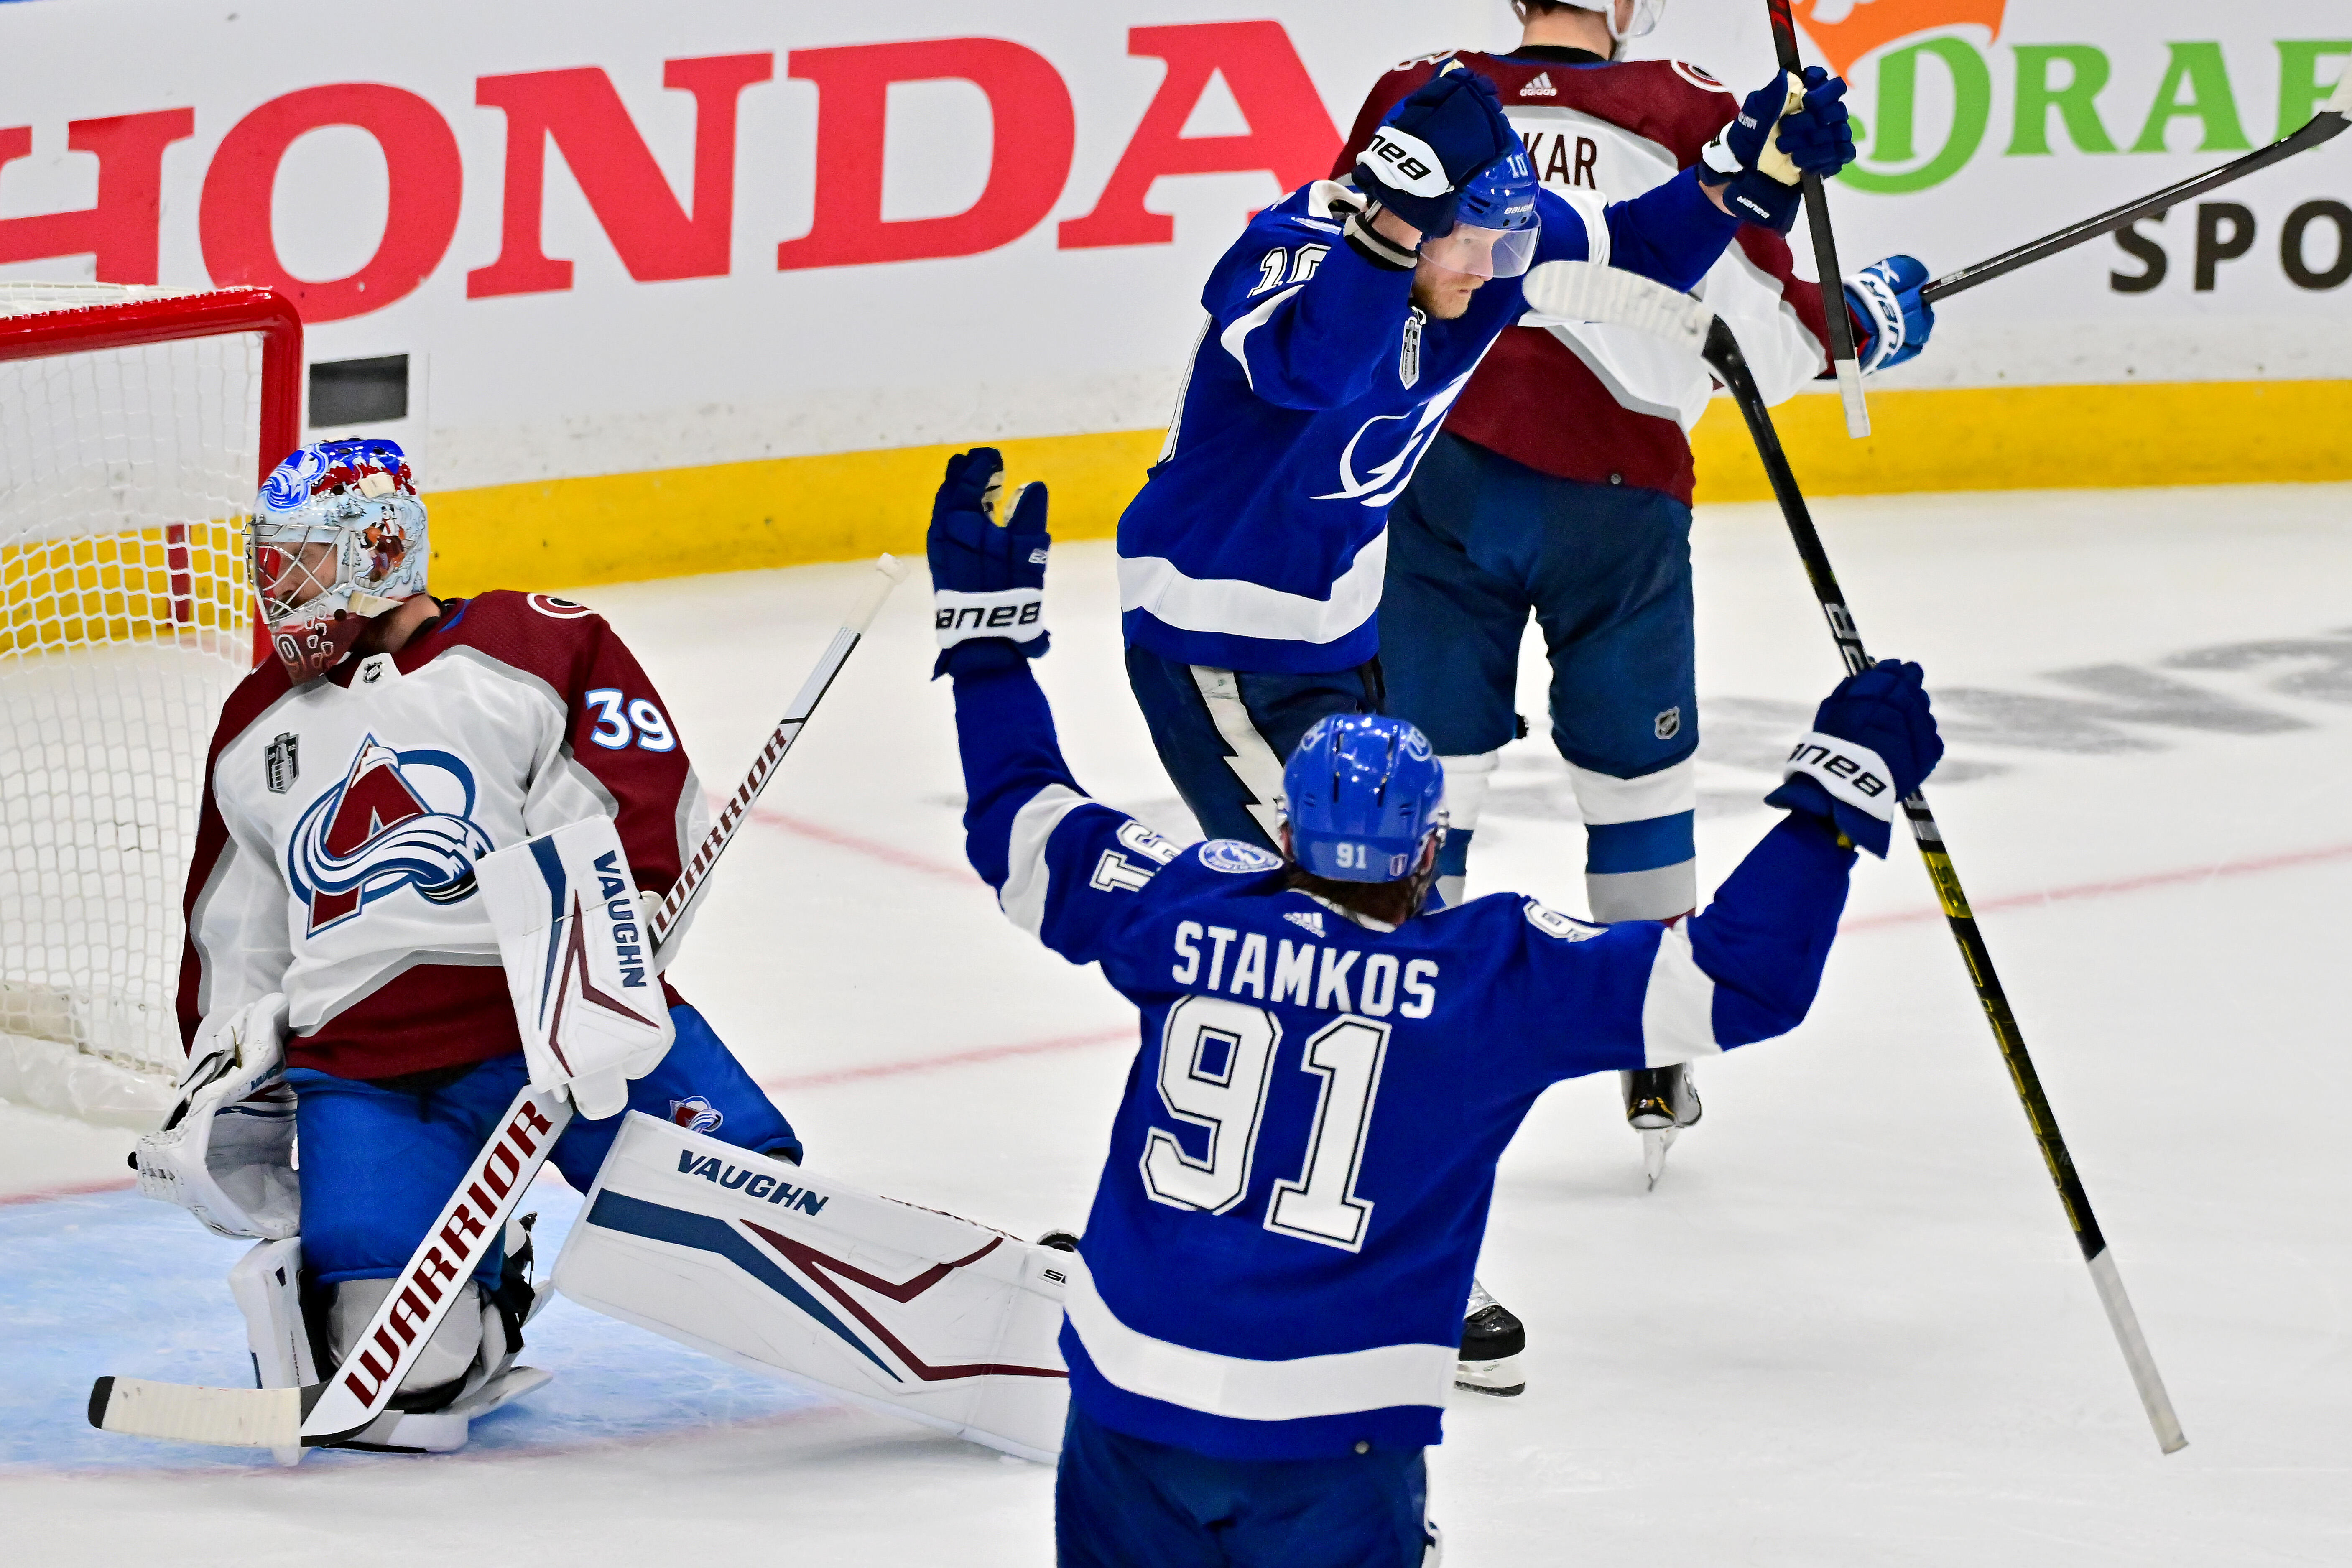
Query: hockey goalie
x=431 y=835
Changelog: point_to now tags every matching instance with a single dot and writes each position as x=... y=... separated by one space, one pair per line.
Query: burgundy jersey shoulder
x=539 y=634
x=260 y=690
x=1671 y=103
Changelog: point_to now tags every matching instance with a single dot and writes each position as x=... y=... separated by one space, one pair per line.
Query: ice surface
x=1850 y=1326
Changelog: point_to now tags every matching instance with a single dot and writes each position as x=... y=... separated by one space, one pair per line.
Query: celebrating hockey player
x=1342 y=326
x=1561 y=485
x=340 y=945
x=1261 y=1320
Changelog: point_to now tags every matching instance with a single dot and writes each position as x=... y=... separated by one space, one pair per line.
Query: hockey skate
x=1659 y=1103
x=1492 y=1341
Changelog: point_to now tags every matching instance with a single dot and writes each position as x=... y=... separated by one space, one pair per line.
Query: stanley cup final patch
x=282 y=763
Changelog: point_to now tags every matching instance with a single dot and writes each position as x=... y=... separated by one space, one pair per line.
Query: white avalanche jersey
x=342 y=818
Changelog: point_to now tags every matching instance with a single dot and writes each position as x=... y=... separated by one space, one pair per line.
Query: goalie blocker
x=579 y=963
x=901 y=1309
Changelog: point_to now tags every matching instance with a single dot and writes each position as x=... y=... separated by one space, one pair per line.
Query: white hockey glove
x=578 y=966
x=225 y=1154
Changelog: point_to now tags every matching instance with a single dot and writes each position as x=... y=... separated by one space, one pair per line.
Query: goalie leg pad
x=768 y=1266
x=463 y=1352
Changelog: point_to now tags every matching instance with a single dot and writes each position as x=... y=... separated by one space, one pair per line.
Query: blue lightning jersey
x=1260 y=540
x=1299 y=1176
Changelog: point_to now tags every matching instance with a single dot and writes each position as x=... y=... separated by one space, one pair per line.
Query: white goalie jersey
x=342 y=820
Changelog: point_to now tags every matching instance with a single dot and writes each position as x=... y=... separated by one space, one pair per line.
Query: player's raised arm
x=1065 y=869
x=1311 y=323
x=1674 y=232
x=1747 y=966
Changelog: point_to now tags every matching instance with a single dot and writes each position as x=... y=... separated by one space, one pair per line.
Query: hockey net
x=133 y=424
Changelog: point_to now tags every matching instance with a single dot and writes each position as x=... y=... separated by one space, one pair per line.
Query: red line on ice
x=75 y=1189
x=872 y=848
x=2250 y=868
x=952 y=1059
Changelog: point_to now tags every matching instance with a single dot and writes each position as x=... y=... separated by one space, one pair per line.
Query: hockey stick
x=1581 y=291
x=356 y=1396
x=1826 y=261
x=2325 y=126
x=669 y=921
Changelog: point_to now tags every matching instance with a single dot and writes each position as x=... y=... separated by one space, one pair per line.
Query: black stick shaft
x=2322 y=127
x=1723 y=355
x=1843 y=360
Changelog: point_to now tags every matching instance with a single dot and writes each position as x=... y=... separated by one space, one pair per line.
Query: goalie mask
x=338 y=539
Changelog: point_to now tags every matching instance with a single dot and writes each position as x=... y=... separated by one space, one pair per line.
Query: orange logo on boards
x=1846 y=30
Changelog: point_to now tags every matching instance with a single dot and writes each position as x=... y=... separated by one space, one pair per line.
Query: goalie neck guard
x=338 y=538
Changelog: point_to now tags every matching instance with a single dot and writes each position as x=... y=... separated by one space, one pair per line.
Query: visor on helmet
x=1483 y=252
x=1641 y=21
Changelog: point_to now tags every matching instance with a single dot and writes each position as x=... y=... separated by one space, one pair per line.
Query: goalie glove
x=225 y=1153
x=578 y=963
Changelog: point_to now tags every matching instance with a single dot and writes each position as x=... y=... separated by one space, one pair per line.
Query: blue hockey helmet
x=1495 y=225
x=1363 y=795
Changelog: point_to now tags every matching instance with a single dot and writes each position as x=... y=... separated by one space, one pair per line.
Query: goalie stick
x=668 y=922
x=1574 y=292
x=356 y=1396
x=2324 y=126
x=1826 y=261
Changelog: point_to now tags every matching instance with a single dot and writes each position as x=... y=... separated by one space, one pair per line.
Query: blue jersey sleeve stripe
x=1234 y=339
x=1028 y=886
x=1245 y=1390
x=1678 y=1004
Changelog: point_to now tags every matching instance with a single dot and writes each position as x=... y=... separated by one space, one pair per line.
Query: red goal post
x=136 y=424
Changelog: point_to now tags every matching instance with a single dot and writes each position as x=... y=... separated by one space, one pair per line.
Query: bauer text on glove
x=988 y=580
x=1873 y=742
x=1891 y=322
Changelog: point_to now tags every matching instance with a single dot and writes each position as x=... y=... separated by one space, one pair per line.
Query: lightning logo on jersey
x=383 y=827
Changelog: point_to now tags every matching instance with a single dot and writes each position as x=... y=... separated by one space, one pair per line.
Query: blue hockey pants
x=1123 y=1502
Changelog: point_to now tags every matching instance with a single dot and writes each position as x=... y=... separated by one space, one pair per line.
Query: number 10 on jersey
x=1216 y=1064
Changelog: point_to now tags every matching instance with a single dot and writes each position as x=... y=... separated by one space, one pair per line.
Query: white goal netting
x=125 y=620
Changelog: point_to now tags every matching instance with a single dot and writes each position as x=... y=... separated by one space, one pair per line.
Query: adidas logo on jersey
x=1311 y=919
x=1541 y=87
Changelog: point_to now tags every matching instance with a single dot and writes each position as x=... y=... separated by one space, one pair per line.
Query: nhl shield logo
x=282 y=764
x=1668 y=724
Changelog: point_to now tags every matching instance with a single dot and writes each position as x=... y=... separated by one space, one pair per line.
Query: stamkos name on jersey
x=1305 y=973
x=621 y=909
x=757 y=1184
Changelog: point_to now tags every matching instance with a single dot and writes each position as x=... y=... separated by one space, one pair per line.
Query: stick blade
x=1607 y=296
x=182 y=1413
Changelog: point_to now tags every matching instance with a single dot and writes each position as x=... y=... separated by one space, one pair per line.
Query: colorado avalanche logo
x=397 y=819
x=696 y=1114
x=1384 y=480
